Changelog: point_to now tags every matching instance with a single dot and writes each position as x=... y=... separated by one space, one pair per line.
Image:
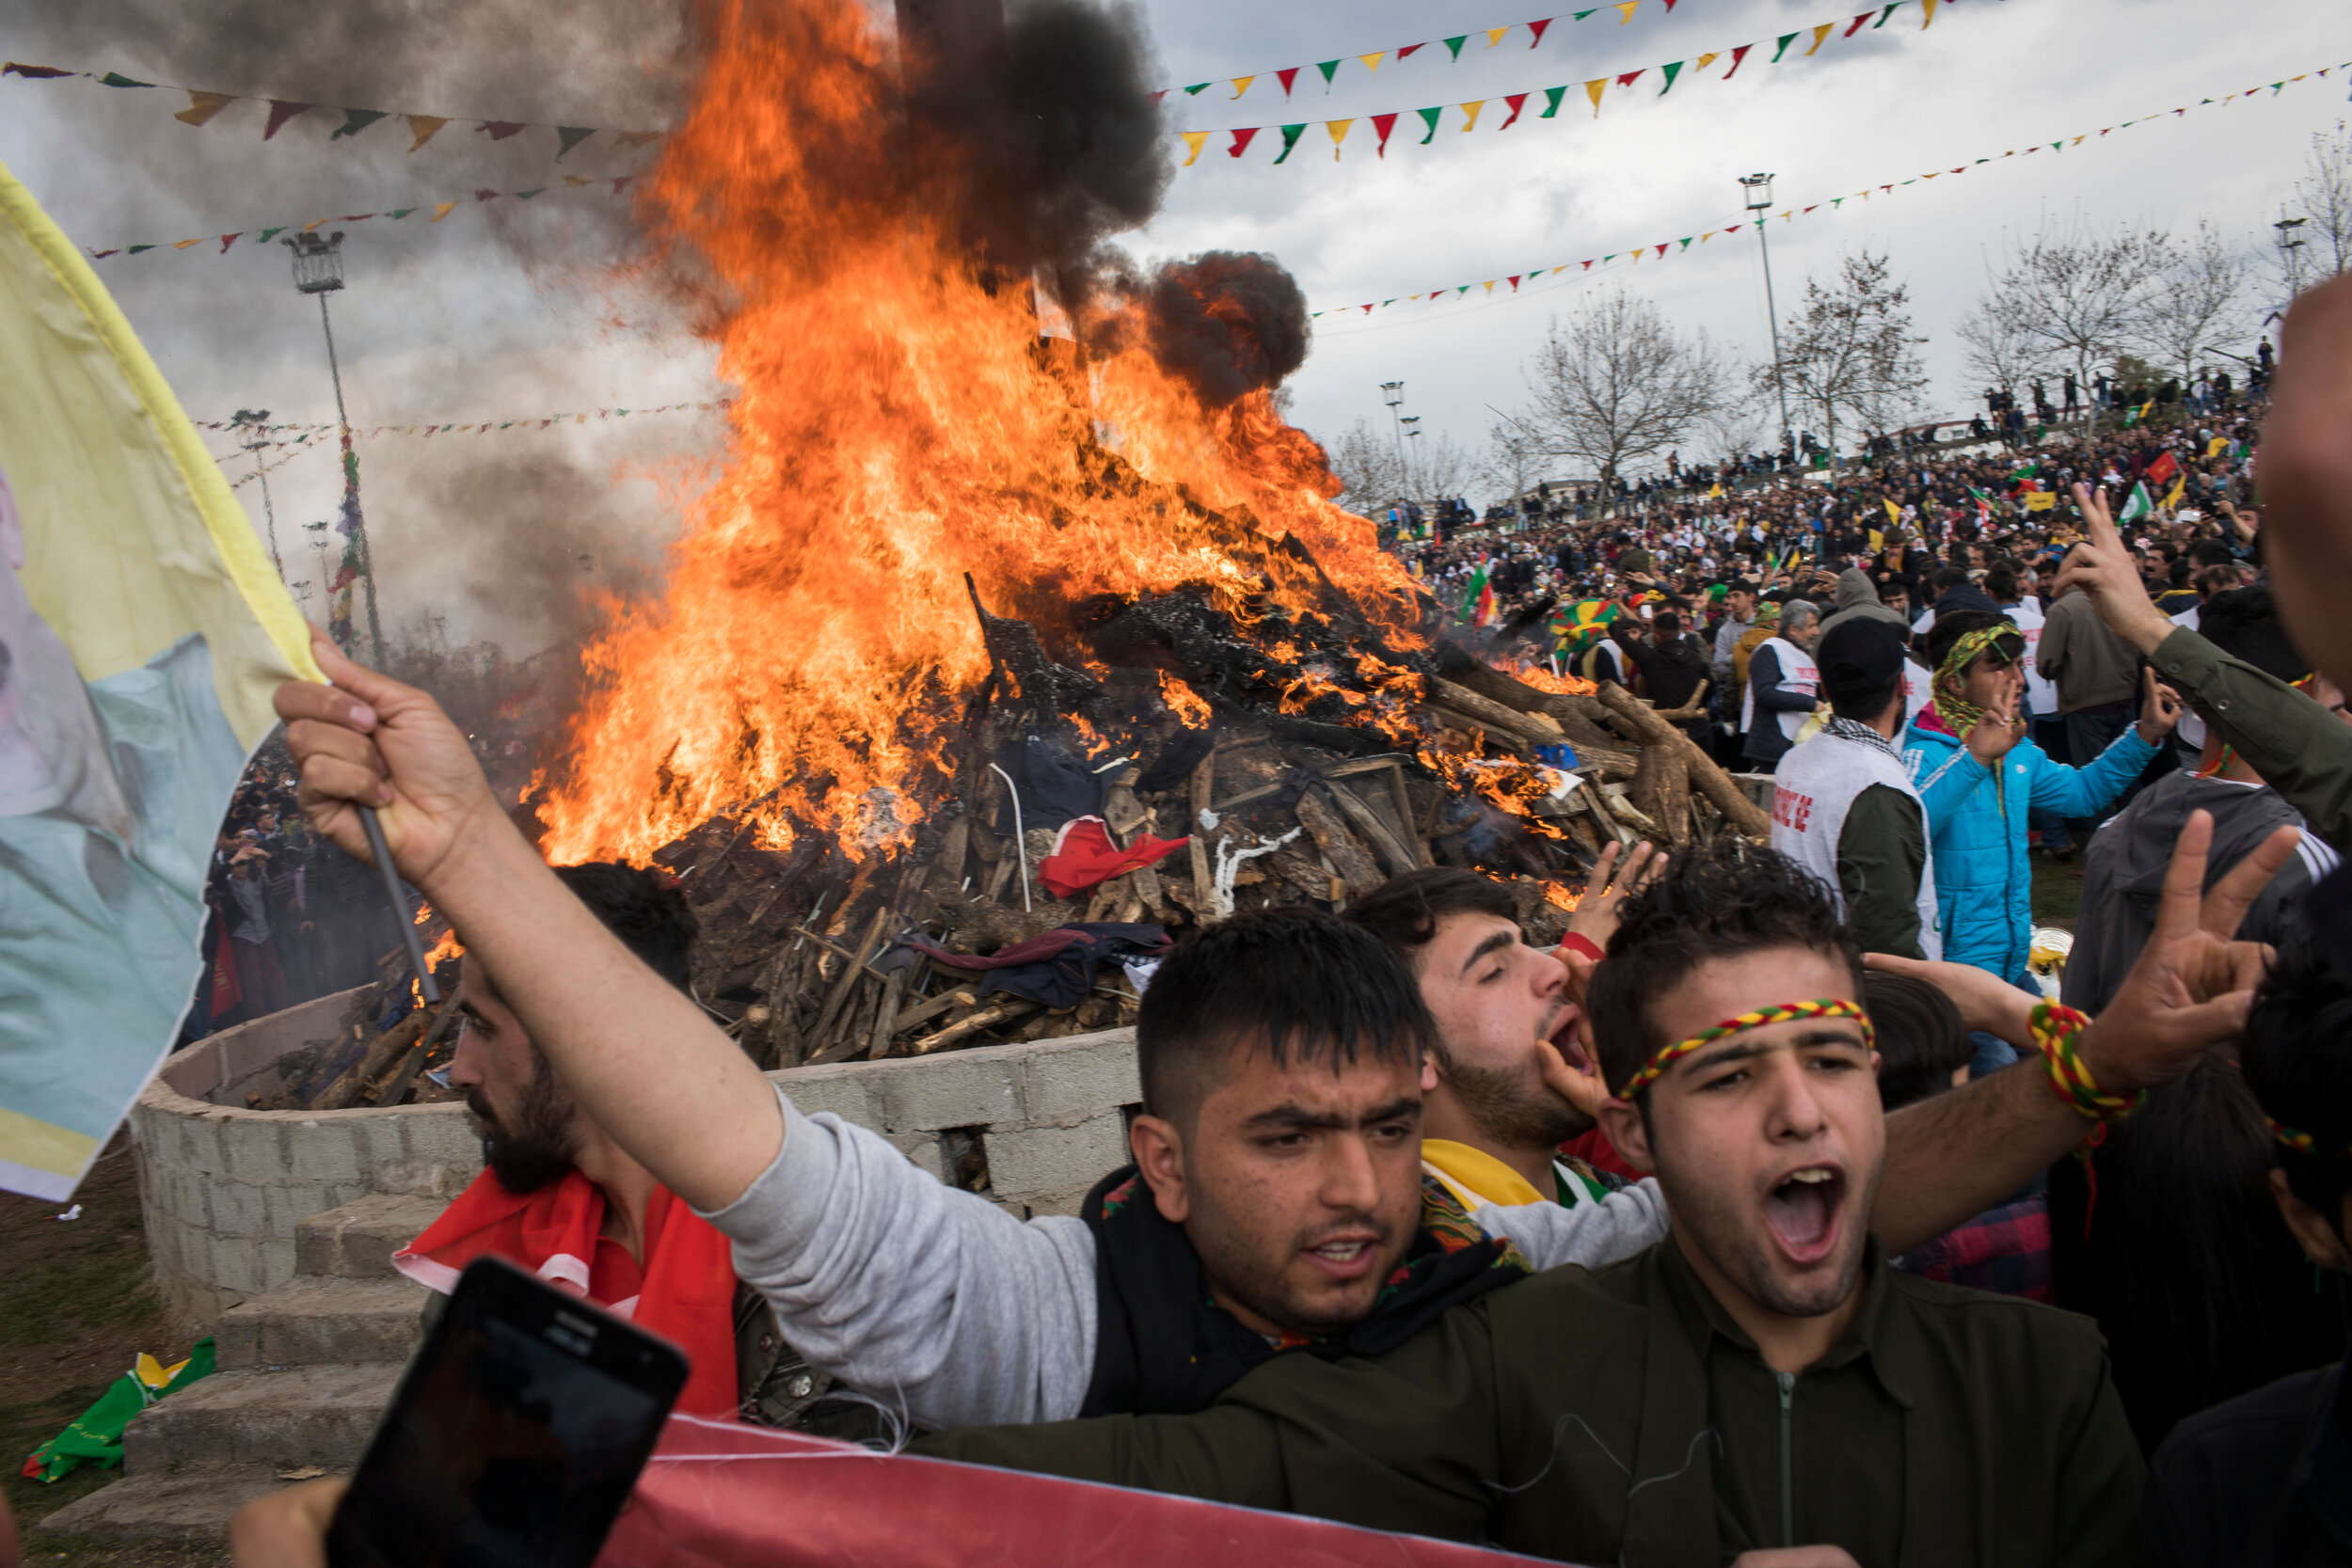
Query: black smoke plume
x=1228 y=321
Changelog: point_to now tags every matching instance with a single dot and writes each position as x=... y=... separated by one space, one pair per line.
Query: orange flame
x=899 y=423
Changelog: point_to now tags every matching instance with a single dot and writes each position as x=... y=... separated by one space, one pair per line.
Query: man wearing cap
x=1784 y=687
x=1843 y=805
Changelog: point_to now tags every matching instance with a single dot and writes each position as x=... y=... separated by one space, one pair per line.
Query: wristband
x=2055 y=1027
x=1581 y=946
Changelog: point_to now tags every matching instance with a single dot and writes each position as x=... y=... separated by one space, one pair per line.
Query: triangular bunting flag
x=1737 y=56
x=1338 y=134
x=37 y=73
x=1625 y=12
x=569 y=136
x=442 y=211
x=1662 y=250
x=1494 y=36
x=116 y=79
x=268 y=234
x=1470 y=113
x=354 y=121
x=1196 y=89
x=1286 y=76
x=500 y=129
x=1241 y=141
x=1383 y=124
x=203 y=106
x=1241 y=85
x=1551 y=102
x=1372 y=62
x=1537 y=29
x=1405 y=51
x=1672 y=72
x=1454 y=45
x=1707 y=59
x=1490 y=285
x=1192 y=140
x=1429 y=117
x=1820 y=33
x=136 y=248
x=1328 y=68
x=1515 y=282
x=280 y=111
x=1885 y=14
x=422 y=127
x=636 y=138
x=1627 y=79
x=1855 y=26
x=485 y=195
x=1290 y=138
x=1517 y=101
x=183 y=245
x=228 y=240
x=1927 y=14
x=1785 y=40
x=1686 y=242
x=1593 y=89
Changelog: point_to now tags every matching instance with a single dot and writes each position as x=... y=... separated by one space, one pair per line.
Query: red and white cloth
x=1084 y=857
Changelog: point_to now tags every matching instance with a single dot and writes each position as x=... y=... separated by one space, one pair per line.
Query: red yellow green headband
x=1761 y=1018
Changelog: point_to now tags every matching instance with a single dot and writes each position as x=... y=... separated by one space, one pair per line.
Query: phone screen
x=515 y=1437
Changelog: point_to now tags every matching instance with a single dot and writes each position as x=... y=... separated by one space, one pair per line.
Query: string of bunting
x=1661 y=250
x=439 y=210
x=298 y=437
x=1288 y=75
x=1432 y=119
x=205 y=104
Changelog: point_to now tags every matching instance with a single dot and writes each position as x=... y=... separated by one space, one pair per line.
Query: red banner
x=722 y=1495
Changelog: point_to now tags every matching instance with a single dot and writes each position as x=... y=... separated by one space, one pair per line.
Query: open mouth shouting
x=1561 y=1032
x=1348 y=1255
x=1806 y=1210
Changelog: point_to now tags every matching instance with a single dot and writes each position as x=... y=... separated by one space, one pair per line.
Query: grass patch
x=2057 y=892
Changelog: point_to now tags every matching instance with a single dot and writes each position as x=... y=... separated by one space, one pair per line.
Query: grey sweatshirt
x=932 y=1299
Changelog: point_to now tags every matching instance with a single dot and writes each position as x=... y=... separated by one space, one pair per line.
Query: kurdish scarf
x=1162 y=1347
x=1959 y=715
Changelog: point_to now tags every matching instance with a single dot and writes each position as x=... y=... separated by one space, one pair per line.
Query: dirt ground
x=76 y=1308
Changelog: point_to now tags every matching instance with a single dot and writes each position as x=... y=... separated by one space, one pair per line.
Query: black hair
x=1918 y=1035
x=1292 y=982
x=643 y=908
x=2243 y=622
x=1667 y=622
x=2000 y=582
x=1950 y=628
x=2297 y=1061
x=1404 y=912
x=1946 y=579
x=2211 y=552
x=1717 y=902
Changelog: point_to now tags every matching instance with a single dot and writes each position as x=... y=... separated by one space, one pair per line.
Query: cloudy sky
x=505 y=310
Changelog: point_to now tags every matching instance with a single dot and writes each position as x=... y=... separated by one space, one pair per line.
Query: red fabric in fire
x=1084 y=857
x=721 y=1495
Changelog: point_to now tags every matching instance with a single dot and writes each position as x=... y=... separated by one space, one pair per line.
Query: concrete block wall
x=222 y=1188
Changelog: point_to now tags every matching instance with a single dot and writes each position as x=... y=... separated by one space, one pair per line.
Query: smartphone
x=515 y=1436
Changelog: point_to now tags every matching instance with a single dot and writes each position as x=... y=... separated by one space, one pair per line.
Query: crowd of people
x=1773 y=1218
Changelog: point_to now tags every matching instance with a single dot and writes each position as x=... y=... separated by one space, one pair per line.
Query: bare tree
x=1514 y=461
x=1614 y=384
x=2079 y=300
x=2326 y=195
x=1372 y=479
x=1739 y=425
x=1438 y=467
x=1993 y=342
x=1850 y=349
x=2200 y=305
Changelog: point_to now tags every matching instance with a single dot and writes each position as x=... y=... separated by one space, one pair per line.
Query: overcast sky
x=502 y=311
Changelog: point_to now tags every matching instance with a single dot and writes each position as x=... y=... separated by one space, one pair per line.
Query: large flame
x=898 y=423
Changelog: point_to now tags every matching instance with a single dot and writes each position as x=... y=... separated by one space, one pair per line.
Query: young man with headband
x=1979 y=777
x=1761 y=1381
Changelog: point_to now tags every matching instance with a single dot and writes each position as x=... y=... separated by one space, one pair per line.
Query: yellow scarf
x=1475 y=1176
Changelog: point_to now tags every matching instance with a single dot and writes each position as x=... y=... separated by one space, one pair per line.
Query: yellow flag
x=1625 y=12
x=1820 y=33
x=1193 y=140
x=2172 y=496
x=1716 y=492
x=203 y=106
x=145 y=634
x=1893 y=512
x=1878 y=541
x=1338 y=134
x=1471 y=111
x=1241 y=85
x=2216 y=446
x=1707 y=59
x=183 y=245
x=1372 y=62
x=2041 y=500
x=1494 y=36
x=422 y=127
x=1927 y=18
x=1592 y=90
x=441 y=210
x=1490 y=285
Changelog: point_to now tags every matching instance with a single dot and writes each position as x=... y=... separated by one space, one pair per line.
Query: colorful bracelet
x=1582 y=945
x=2055 y=1027
x=2303 y=1143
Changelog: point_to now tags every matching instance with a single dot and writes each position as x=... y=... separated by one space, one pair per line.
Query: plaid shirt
x=2005 y=1250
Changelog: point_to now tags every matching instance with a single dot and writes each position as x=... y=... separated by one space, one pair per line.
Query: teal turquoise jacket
x=1977 y=831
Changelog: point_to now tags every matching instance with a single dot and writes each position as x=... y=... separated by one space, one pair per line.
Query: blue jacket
x=1977 y=832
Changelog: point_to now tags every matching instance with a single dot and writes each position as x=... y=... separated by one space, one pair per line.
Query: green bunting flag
x=356 y=120
x=1290 y=138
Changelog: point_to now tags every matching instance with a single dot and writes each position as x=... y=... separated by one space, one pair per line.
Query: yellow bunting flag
x=1372 y=62
x=442 y=211
x=1490 y=285
x=1819 y=34
x=1927 y=17
x=1625 y=12
x=203 y=106
x=183 y=245
x=1494 y=36
x=1193 y=140
x=1708 y=235
x=1592 y=90
x=637 y=138
x=145 y=633
x=422 y=127
x=1707 y=59
x=1241 y=85
x=1338 y=134
x=1471 y=122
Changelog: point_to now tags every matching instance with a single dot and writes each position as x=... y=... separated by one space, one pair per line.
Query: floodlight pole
x=255 y=417
x=1759 y=199
x=1393 y=393
x=318 y=268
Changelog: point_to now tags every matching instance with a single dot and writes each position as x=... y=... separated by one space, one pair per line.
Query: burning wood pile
x=1299 y=761
x=385 y=1047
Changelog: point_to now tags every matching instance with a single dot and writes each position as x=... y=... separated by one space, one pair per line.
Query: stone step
x=357 y=1241
x=296 y=1416
x=191 y=1505
x=318 y=1321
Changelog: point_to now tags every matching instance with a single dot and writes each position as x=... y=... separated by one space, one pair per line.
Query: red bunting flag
x=228 y=240
x=485 y=196
x=1737 y=56
x=1403 y=50
x=1515 y=281
x=500 y=129
x=1628 y=78
x=1517 y=101
x=1537 y=29
x=1384 y=125
x=1286 y=76
x=1241 y=141
x=1855 y=26
x=36 y=72
x=280 y=111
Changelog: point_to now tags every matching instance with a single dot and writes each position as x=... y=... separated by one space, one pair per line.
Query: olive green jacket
x=1619 y=1415
x=2300 y=748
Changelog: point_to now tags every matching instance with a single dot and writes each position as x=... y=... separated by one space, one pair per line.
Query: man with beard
x=561 y=1198
x=1762 y=1381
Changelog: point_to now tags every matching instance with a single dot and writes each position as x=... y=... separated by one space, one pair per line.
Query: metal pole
x=1780 y=385
x=269 y=514
x=351 y=487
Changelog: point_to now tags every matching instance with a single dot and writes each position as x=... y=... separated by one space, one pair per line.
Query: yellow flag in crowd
x=1878 y=541
x=2216 y=446
x=2172 y=496
x=2039 y=500
x=143 y=634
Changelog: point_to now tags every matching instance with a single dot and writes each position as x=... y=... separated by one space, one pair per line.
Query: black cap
x=1859 y=657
